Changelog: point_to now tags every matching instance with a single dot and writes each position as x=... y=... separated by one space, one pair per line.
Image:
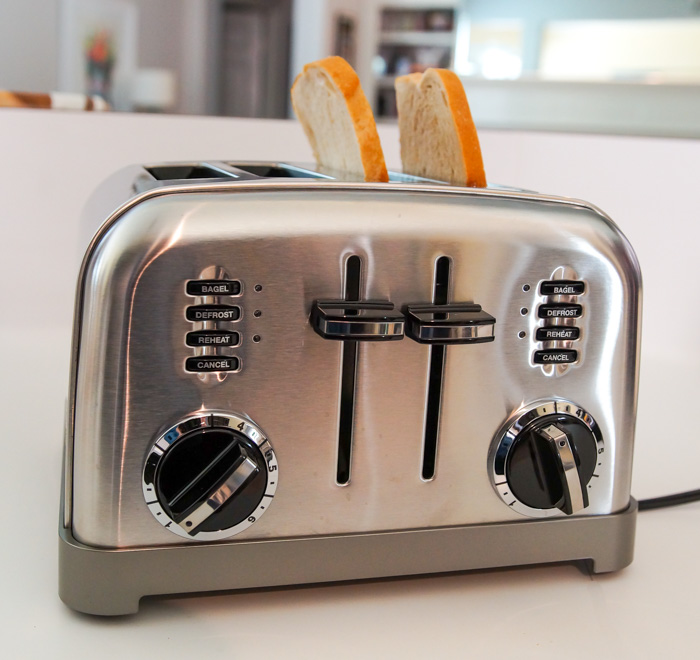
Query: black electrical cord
x=669 y=500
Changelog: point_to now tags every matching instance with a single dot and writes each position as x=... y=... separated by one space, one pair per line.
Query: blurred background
x=605 y=66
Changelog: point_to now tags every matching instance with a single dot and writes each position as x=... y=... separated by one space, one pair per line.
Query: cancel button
x=556 y=356
x=207 y=363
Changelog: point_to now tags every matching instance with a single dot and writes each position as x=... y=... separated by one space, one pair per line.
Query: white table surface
x=49 y=164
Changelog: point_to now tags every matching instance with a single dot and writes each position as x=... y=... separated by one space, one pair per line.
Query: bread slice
x=337 y=119
x=438 y=136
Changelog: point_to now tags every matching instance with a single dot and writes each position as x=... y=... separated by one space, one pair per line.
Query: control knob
x=546 y=460
x=210 y=476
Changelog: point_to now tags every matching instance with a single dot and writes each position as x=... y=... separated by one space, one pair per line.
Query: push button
x=562 y=288
x=559 y=311
x=213 y=288
x=213 y=313
x=209 y=363
x=555 y=356
x=557 y=333
x=213 y=338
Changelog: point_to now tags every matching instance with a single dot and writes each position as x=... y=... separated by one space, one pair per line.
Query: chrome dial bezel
x=201 y=420
x=498 y=457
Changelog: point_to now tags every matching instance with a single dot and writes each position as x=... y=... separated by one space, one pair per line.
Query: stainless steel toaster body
x=381 y=351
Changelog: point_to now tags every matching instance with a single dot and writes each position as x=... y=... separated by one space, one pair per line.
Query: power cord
x=669 y=500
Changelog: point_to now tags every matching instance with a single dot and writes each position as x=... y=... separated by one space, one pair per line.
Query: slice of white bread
x=337 y=119
x=438 y=136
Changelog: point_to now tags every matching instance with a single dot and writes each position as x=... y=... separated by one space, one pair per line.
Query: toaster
x=284 y=376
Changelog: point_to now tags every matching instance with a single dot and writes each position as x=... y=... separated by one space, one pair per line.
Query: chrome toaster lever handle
x=453 y=323
x=364 y=320
x=242 y=471
x=575 y=497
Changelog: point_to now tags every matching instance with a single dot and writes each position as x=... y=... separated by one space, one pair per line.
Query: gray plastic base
x=111 y=582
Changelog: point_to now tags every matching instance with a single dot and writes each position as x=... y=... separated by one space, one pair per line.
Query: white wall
x=28 y=45
x=313 y=30
x=308 y=18
x=535 y=14
x=195 y=57
x=170 y=36
x=669 y=110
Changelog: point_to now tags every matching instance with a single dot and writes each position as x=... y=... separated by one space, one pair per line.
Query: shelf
x=411 y=38
x=417 y=38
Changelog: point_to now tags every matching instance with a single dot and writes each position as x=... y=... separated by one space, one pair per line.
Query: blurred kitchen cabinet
x=253 y=57
x=412 y=37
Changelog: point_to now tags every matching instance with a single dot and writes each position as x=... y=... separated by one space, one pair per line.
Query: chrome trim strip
x=451 y=333
x=360 y=328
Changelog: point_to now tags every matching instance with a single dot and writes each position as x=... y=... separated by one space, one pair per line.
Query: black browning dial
x=546 y=460
x=210 y=476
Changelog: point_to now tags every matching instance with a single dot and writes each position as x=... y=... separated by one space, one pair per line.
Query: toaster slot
x=277 y=170
x=353 y=320
x=350 y=321
x=440 y=325
x=441 y=284
x=185 y=171
x=348 y=371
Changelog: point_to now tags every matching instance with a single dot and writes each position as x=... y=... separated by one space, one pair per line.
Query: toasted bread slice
x=337 y=119
x=438 y=136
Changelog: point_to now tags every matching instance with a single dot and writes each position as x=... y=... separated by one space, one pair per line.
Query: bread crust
x=348 y=84
x=468 y=138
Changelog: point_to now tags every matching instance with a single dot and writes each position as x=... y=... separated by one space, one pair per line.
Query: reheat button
x=559 y=311
x=555 y=356
x=557 y=333
x=213 y=338
x=213 y=313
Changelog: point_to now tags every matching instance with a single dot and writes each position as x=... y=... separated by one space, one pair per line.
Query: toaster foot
x=112 y=581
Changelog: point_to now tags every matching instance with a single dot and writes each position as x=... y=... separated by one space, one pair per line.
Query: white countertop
x=52 y=161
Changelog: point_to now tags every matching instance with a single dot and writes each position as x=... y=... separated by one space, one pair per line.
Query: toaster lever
x=575 y=497
x=364 y=320
x=453 y=323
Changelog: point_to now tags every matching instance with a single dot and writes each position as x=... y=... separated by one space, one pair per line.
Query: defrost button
x=559 y=311
x=213 y=313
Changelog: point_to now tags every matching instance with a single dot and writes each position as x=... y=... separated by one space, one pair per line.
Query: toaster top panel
x=241 y=298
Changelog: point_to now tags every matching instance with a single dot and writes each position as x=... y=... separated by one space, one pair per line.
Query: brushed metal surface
x=291 y=238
